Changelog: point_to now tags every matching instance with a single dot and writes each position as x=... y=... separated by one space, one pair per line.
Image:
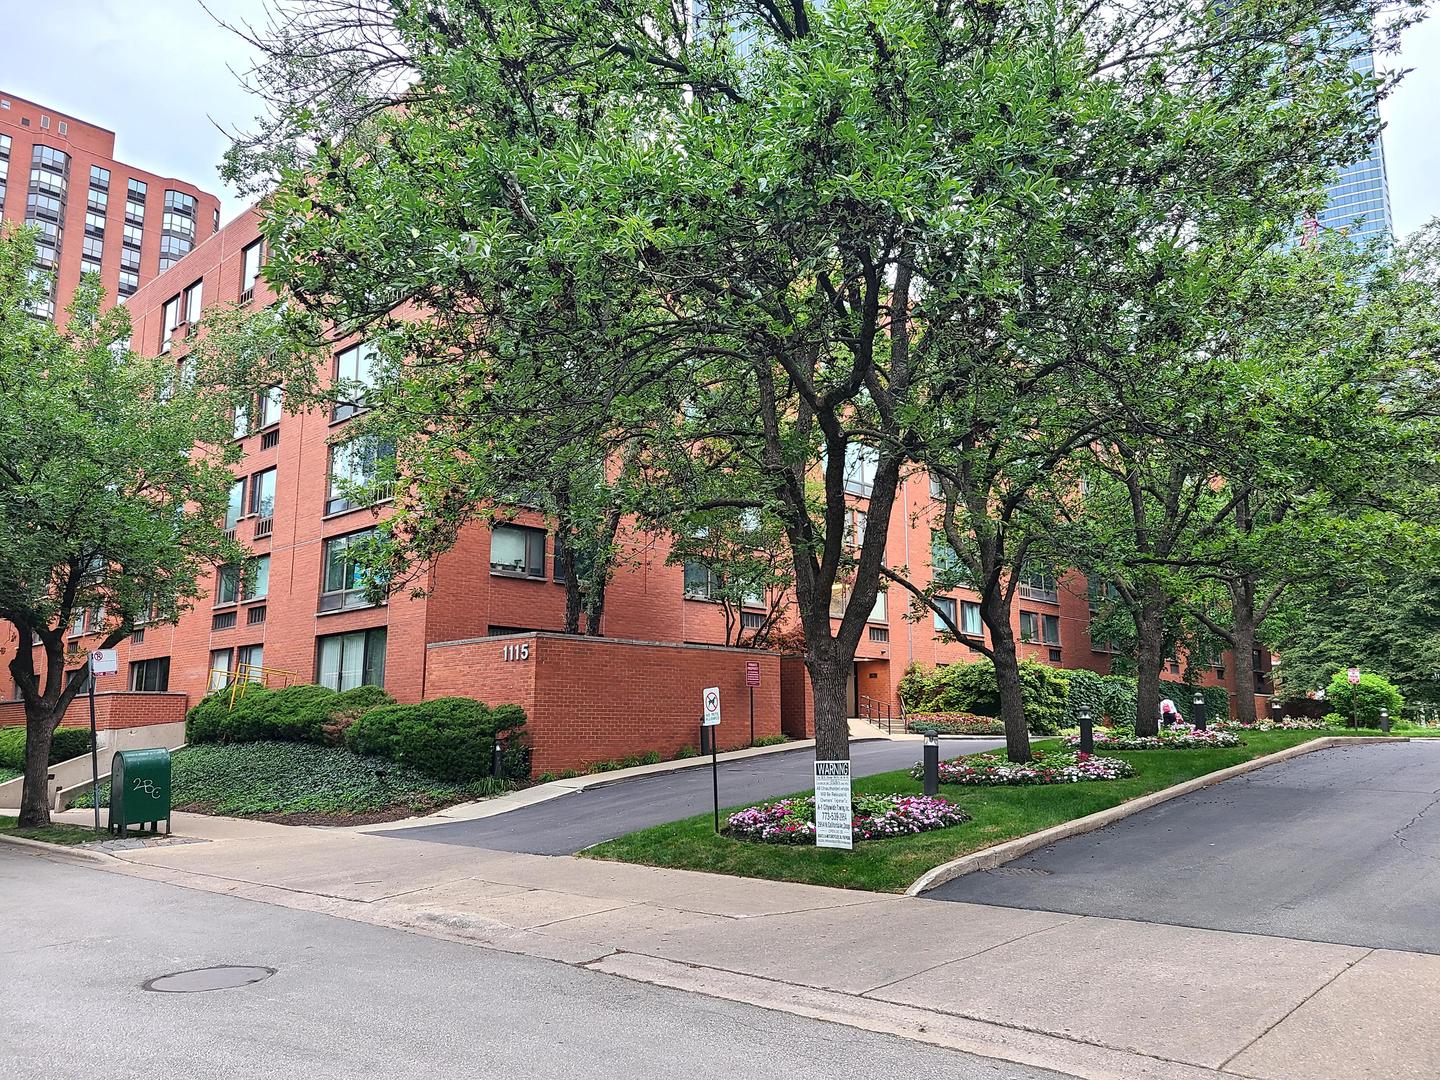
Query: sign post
x=833 y=814
x=710 y=720
x=752 y=680
x=1354 y=676
x=102 y=662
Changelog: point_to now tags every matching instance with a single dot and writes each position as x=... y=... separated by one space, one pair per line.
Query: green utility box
x=140 y=790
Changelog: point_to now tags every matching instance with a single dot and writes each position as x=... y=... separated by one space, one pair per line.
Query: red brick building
x=303 y=620
x=95 y=213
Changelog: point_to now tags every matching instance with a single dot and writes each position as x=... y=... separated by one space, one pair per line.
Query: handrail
x=243 y=676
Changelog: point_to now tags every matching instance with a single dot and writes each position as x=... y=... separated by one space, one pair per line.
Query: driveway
x=1340 y=845
x=574 y=822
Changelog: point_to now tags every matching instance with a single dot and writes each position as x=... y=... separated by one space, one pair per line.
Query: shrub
x=954 y=724
x=451 y=738
x=1217 y=700
x=66 y=743
x=1363 y=700
x=203 y=721
x=971 y=688
x=772 y=740
x=332 y=716
x=289 y=714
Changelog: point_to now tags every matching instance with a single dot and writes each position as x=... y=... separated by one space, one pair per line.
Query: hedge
x=66 y=743
x=1053 y=696
x=302 y=713
x=954 y=724
x=1365 y=700
x=450 y=738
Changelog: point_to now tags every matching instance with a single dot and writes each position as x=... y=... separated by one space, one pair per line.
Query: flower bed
x=1179 y=737
x=1053 y=767
x=1288 y=724
x=954 y=723
x=876 y=817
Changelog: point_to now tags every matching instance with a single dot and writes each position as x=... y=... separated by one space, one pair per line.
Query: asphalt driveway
x=573 y=822
x=1340 y=845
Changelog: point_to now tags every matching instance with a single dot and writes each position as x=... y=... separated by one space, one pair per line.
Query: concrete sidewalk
x=1098 y=998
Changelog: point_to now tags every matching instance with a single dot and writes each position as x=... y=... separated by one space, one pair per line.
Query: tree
x=773 y=206
x=105 y=505
x=738 y=560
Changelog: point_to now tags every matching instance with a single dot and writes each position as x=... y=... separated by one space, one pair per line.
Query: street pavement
x=582 y=819
x=1338 y=846
x=351 y=1000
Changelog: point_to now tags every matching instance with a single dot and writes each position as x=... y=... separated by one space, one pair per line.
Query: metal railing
x=877 y=712
x=243 y=676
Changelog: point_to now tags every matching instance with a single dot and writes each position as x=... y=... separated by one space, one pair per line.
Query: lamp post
x=1198 y=702
x=1087 y=731
x=1385 y=721
x=1274 y=711
x=932 y=761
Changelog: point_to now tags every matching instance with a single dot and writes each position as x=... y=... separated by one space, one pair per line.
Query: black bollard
x=1198 y=705
x=1274 y=711
x=497 y=760
x=932 y=762
x=1385 y=721
x=1087 y=732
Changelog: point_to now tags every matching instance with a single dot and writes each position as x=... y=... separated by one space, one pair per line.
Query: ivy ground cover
x=997 y=814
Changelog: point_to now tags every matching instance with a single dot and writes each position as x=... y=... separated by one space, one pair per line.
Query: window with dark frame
x=355 y=374
x=345 y=661
x=343 y=584
x=517 y=551
x=946 y=604
x=151 y=675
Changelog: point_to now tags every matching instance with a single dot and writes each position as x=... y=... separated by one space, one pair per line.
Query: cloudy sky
x=158 y=72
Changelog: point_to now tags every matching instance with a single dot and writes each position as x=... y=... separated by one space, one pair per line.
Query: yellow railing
x=243 y=676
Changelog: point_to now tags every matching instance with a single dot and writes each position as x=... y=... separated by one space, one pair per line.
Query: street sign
x=1353 y=675
x=752 y=672
x=710 y=699
x=833 y=813
x=104 y=662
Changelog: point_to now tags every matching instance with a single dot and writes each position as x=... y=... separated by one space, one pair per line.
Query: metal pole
x=715 y=774
x=752 y=716
x=94 y=750
x=1199 y=710
x=497 y=760
x=932 y=762
x=1087 y=732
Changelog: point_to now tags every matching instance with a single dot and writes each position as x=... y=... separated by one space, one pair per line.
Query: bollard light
x=1274 y=710
x=932 y=761
x=1385 y=721
x=1087 y=731
x=1198 y=703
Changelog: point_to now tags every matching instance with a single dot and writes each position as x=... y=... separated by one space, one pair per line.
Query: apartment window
x=944 y=563
x=855 y=528
x=860 y=465
x=272 y=406
x=350 y=660
x=355 y=375
x=236 y=510
x=517 y=550
x=354 y=467
x=129 y=282
x=134 y=212
x=241 y=421
x=936 y=491
x=256 y=585
x=227 y=585
x=1039 y=583
x=250 y=270
x=97 y=201
x=135 y=189
x=153 y=675
x=755 y=620
x=99 y=178
x=1039 y=628
x=701 y=583
x=45 y=122
x=172 y=320
x=262 y=494
x=219 y=669
x=249 y=659
x=971 y=625
x=344 y=581
x=193 y=298
x=64 y=128
x=946 y=604
x=880 y=634
x=878 y=609
x=93 y=248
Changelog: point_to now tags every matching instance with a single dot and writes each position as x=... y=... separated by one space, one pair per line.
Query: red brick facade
x=588 y=700
x=28 y=125
x=113 y=709
x=600 y=699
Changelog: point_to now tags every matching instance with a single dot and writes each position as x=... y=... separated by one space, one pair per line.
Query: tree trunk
x=1007 y=680
x=1150 y=659
x=41 y=719
x=829 y=679
x=1242 y=594
x=574 y=603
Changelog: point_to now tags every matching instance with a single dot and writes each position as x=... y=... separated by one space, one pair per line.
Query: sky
x=159 y=73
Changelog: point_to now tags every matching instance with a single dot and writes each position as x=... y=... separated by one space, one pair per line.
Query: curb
x=991 y=857
x=71 y=850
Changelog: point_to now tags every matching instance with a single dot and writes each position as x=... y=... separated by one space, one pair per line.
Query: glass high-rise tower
x=1359 y=200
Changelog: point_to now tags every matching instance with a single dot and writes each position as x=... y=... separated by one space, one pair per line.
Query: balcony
x=270 y=439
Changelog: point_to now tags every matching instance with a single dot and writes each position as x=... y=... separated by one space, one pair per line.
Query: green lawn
x=54 y=834
x=303 y=783
x=998 y=814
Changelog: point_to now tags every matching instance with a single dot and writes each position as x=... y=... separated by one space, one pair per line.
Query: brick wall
x=115 y=709
x=598 y=699
x=797 y=705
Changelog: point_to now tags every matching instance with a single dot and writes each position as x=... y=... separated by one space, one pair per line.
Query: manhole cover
x=222 y=977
